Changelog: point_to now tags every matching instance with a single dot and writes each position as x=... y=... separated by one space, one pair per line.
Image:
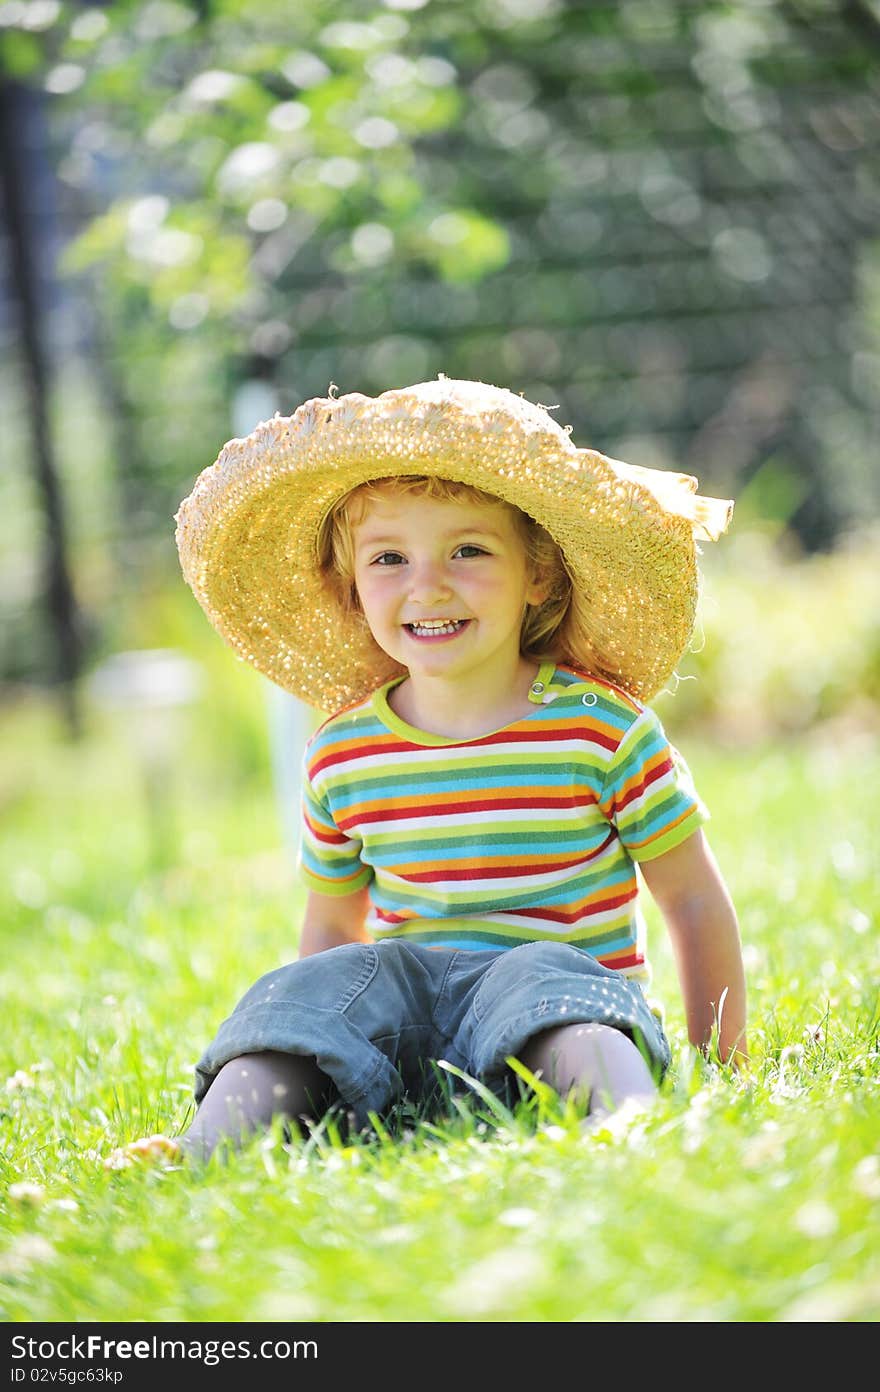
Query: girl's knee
x=588 y=1055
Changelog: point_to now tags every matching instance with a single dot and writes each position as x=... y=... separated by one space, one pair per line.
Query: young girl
x=487 y=609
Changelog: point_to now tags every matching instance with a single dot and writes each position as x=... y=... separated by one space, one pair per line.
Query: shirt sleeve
x=648 y=794
x=329 y=860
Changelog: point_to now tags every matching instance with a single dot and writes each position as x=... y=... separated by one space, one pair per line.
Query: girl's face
x=444 y=584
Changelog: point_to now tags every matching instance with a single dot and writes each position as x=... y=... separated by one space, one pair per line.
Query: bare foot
x=148 y=1149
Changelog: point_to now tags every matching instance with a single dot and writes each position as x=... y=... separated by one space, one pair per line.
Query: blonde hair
x=543 y=625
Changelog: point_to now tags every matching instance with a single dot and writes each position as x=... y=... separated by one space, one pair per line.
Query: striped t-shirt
x=529 y=832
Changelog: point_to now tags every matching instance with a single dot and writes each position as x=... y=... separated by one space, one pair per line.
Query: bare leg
x=600 y=1064
x=248 y=1092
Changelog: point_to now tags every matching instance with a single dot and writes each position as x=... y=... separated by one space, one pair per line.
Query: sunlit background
x=659 y=219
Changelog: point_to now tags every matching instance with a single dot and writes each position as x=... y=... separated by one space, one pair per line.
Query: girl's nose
x=428 y=582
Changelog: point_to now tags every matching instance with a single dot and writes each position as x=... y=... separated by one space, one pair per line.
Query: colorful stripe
x=530 y=832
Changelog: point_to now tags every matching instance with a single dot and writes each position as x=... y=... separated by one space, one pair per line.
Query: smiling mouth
x=436 y=628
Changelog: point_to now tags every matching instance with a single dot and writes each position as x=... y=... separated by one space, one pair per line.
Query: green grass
x=735 y=1199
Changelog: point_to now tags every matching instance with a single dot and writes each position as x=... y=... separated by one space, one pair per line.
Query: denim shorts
x=375 y=1015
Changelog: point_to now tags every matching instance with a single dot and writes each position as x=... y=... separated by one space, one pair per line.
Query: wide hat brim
x=247 y=535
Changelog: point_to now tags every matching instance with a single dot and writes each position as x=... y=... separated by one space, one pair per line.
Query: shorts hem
x=325 y=1035
x=648 y=1036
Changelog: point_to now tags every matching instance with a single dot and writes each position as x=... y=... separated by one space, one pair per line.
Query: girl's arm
x=696 y=906
x=333 y=919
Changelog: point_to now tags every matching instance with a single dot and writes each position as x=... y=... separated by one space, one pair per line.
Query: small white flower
x=23 y=1253
x=18 y=1081
x=27 y=1192
x=517 y=1217
x=866 y=1176
x=554 y=1133
x=816 y=1219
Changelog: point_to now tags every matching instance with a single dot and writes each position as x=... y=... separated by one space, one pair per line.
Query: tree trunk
x=25 y=243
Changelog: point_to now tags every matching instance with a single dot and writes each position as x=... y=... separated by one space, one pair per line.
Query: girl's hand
x=690 y=892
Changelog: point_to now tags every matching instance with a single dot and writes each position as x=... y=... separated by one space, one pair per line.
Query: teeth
x=436 y=626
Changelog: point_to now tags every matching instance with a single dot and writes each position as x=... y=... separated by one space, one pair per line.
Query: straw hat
x=247 y=534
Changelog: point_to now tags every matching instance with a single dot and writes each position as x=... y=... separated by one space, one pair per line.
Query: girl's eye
x=388 y=558
x=468 y=550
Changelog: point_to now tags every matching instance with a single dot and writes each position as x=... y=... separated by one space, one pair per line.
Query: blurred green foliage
x=661 y=217
x=783 y=641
